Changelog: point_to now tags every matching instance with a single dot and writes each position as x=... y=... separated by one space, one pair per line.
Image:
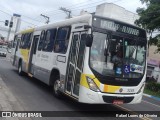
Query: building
x=4 y=32
x=153 y=64
x=16 y=26
x=114 y=11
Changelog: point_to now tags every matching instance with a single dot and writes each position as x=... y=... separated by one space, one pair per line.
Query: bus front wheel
x=56 y=86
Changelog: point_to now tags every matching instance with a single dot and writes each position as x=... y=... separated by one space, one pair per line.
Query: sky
x=31 y=10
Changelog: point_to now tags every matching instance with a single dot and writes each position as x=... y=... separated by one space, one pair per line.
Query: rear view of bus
x=115 y=64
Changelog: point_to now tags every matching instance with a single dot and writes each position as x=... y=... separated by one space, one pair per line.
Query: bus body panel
x=88 y=96
x=43 y=63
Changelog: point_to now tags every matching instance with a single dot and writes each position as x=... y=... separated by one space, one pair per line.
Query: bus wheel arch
x=54 y=82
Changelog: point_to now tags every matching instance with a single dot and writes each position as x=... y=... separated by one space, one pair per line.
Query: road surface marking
x=150 y=103
x=125 y=109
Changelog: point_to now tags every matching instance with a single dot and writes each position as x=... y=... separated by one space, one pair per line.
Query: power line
x=21 y=19
x=76 y=5
x=67 y=6
x=94 y=3
x=28 y=22
x=31 y=18
x=56 y=11
x=6 y=13
x=81 y=7
x=75 y=9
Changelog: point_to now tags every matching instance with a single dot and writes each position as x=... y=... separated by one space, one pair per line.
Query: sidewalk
x=8 y=102
x=150 y=96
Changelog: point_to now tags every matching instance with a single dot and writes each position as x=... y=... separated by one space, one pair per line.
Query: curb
x=156 y=98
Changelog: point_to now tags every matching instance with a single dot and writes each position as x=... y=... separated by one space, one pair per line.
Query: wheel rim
x=19 y=69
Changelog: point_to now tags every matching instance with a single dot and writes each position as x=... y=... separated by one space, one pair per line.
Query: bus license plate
x=117 y=101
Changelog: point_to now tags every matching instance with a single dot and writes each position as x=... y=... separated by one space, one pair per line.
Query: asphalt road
x=34 y=95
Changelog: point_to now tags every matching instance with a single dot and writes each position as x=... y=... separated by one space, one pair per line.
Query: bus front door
x=32 y=53
x=15 y=49
x=75 y=63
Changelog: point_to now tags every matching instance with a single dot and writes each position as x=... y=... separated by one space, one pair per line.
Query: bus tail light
x=92 y=85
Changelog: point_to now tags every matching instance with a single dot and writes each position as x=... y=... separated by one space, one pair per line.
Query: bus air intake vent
x=110 y=99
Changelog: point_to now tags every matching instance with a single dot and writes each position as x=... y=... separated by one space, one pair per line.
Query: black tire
x=20 y=72
x=55 y=87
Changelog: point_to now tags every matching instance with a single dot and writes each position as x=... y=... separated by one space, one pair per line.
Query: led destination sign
x=118 y=27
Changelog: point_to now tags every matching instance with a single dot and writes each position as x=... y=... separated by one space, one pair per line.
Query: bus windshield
x=117 y=56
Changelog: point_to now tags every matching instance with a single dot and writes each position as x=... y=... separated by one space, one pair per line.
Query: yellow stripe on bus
x=97 y=82
x=27 y=31
x=111 y=88
x=83 y=81
x=106 y=88
x=25 y=54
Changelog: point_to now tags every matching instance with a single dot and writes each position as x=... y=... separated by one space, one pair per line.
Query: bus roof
x=83 y=18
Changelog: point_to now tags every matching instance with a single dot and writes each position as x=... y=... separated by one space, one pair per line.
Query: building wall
x=116 y=12
x=156 y=74
x=153 y=54
x=4 y=33
x=155 y=57
x=16 y=26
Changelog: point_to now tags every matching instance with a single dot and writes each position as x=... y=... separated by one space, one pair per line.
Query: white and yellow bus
x=90 y=58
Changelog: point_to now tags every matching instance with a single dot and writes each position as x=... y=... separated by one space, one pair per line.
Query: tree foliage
x=150 y=19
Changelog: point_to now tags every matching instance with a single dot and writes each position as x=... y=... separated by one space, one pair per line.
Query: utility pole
x=46 y=17
x=9 y=30
x=67 y=11
x=16 y=19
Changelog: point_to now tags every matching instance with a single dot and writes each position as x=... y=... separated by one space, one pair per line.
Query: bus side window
x=62 y=39
x=21 y=44
x=50 y=38
x=41 y=41
x=29 y=40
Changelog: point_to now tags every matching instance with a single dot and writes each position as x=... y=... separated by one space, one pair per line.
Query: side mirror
x=89 y=40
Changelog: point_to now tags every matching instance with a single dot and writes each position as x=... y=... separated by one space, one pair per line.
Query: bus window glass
x=41 y=41
x=26 y=41
x=50 y=38
x=47 y=40
x=81 y=51
x=62 y=40
x=22 y=41
x=124 y=58
x=29 y=40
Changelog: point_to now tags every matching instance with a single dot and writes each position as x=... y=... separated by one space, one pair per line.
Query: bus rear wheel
x=20 y=72
x=56 y=91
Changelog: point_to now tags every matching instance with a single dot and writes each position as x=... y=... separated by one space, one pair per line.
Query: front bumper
x=88 y=96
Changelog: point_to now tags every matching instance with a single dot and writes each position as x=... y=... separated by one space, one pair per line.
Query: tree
x=150 y=20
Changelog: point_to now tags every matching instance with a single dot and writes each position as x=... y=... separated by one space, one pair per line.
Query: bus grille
x=110 y=99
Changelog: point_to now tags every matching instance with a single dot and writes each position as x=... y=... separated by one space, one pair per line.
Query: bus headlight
x=92 y=85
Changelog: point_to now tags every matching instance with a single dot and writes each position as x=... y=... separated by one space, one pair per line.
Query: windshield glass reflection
x=118 y=56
